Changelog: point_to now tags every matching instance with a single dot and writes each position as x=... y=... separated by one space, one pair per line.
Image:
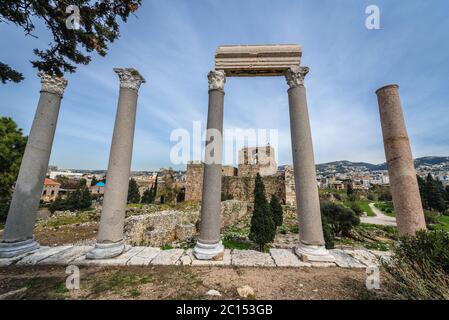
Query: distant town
x=187 y=184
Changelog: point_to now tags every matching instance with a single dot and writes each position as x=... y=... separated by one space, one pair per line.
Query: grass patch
x=67 y=219
x=166 y=247
x=235 y=244
x=386 y=207
x=120 y=281
x=443 y=223
x=364 y=205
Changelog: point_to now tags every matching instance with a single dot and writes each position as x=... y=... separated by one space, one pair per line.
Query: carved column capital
x=129 y=78
x=52 y=84
x=217 y=80
x=295 y=76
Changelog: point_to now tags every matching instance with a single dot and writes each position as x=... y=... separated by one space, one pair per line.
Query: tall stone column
x=110 y=242
x=18 y=234
x=209 y=245
x=311 y=240
x=401 y=170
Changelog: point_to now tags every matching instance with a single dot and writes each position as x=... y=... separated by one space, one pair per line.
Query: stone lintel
x=257 y=60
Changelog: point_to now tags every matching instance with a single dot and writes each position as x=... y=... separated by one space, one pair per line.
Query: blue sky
x=172 y=43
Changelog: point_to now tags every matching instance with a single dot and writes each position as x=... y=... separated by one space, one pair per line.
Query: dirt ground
x=177 y=282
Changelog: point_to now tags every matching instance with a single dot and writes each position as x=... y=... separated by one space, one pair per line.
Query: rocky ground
x=183 y=282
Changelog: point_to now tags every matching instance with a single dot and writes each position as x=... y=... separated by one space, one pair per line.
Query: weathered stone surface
x=41 y=254
x=232 y=211
x=185 y=231
x=364 y=256
x=251 y=258
x=167 y=257
x=344 y=260
x=120 y=260
x=323 y=264
x=4 y=262
x=144 y=257
x=286 y=258
x=66 y=256
x=257 y=60
x=185 y=259
x=401 y=170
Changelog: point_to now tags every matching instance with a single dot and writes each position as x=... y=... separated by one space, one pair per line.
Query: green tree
x=133 y=192
x=12 y=147
x=263 y=228
x=94 y=181
x=435 y=194
x=154 y=187
x=147 y=196
x=98 y=27
x=85 y=200
x=341 y=220
x=276 y=210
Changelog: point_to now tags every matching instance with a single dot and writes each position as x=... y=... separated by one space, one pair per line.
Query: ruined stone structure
x=261 y=60
x=206 y=181
x=238 y=183
x=257 y=160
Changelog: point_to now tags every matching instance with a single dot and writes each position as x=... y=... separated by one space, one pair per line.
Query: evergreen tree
x=147 y=196
x=96 y=29
x=423 y=192
x=276 y=210
x=435 y=194
x=133 y=192
x=263 y=228
x=154 y=187
x=447 y=193
x=94 y=181
x=85 y=200
x=12 y=147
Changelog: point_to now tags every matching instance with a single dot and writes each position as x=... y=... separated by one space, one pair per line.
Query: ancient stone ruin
x=296 y=185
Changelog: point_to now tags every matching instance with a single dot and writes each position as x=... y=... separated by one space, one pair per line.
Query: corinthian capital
x=129 y=78
x=295 y=76
x=52 y=84
x=217 y=79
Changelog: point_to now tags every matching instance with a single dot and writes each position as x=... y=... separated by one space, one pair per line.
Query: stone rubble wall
x=160 y=228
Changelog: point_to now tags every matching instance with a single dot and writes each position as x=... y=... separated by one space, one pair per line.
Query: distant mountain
x=347 y=166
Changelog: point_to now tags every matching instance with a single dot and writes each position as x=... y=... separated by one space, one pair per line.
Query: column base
x=107 y=250
x=203 y=251
x=13 y=249
x=313 y=253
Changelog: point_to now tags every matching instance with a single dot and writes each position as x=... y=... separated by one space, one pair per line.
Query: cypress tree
x=133 y=192
x=435 y=194
x=262 y=223
x=147 y=196
x=154 y=187
x=276 y=210
x=94 y=181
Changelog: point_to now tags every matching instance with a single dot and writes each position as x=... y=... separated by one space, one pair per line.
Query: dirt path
x=380 y=218
x=175 y=282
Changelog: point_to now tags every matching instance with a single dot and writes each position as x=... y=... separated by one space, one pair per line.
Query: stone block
x=344 y=260
x=167 y=257
x=120 y=260
x=144 y=257
x=245 y=258
x=364 y=256
x=67 y=256
x=286 y=258
x=41 y=254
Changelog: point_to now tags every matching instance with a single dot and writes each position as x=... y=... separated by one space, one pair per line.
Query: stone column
x=401 y=169
x=18 y=234
x=110 y=242
x=311 y=240
x=209 y=245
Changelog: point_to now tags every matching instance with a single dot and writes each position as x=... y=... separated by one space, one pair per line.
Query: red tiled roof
x=49 y=182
